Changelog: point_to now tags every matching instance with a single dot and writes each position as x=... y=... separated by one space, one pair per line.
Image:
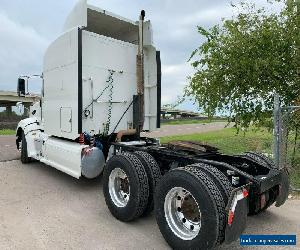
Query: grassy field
x=192 y=121
x=7 y=132
x=229 y=142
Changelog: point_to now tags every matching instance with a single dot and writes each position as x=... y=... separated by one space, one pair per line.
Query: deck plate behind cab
x=191 y=146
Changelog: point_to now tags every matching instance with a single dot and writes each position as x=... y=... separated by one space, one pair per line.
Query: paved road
x=186 y=129
x=8 y=149
x=42 y=208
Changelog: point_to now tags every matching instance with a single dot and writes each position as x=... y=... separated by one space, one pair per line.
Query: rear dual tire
x=125 y=187
x=189 y=201
x=175 y=211
x=129 y=184
x=153 y=173
x=260 y=159
x=219 y=178
x=266 y=162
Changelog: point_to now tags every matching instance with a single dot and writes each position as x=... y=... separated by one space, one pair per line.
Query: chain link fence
x=287 y=140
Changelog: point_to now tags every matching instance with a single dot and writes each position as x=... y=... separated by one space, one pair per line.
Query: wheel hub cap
x=119 y=188
x=182 y=213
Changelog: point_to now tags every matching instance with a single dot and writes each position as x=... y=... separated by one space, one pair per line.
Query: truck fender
x=28 y=125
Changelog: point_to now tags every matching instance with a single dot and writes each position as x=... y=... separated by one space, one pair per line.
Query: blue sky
x=28 y=27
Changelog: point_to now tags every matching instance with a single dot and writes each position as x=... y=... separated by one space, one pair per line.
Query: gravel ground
x=42 y=208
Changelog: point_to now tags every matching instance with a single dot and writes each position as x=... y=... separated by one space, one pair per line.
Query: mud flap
x=283 y=188
x=237 y=210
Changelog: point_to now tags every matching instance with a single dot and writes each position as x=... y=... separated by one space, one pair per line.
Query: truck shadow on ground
x=65 y=179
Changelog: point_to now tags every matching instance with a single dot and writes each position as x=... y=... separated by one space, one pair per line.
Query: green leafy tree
x=247 y=59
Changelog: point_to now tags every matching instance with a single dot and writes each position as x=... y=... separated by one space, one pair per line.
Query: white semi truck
x=101 y=89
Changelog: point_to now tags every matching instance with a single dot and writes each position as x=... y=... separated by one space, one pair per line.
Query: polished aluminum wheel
x=119 y=188
x=182 y=213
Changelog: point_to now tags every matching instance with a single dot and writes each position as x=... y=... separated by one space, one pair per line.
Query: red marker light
x=81 y=139
x=245 y=193
x=230 y=217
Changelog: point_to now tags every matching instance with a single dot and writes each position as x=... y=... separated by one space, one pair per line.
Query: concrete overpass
x=8 y=99
x=177 y=114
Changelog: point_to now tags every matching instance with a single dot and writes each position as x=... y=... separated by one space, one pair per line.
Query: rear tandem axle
x=201 y=197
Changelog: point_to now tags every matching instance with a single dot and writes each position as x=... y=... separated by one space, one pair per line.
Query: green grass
x=192 y=121
x=7 y=132
x=295 y=178
x=229 y=142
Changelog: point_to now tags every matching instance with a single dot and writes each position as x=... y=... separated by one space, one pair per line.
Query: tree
x=247 y=59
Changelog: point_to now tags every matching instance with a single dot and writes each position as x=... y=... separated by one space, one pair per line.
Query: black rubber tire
x=153 y=174
x=209 y=200
x=260 y=159
x=216 y=192
x=139 y=187
x=219 y=179
x=265 y=161
x=24 y=154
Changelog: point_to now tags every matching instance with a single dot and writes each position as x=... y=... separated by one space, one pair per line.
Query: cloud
x=21 y=51
x=175 y=69
x=177 y=38
x=27 y=27
x=174 y=78
x=207 y=16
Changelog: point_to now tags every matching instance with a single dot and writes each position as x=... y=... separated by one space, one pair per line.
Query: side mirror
x=21 y=86
x=19 y=105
